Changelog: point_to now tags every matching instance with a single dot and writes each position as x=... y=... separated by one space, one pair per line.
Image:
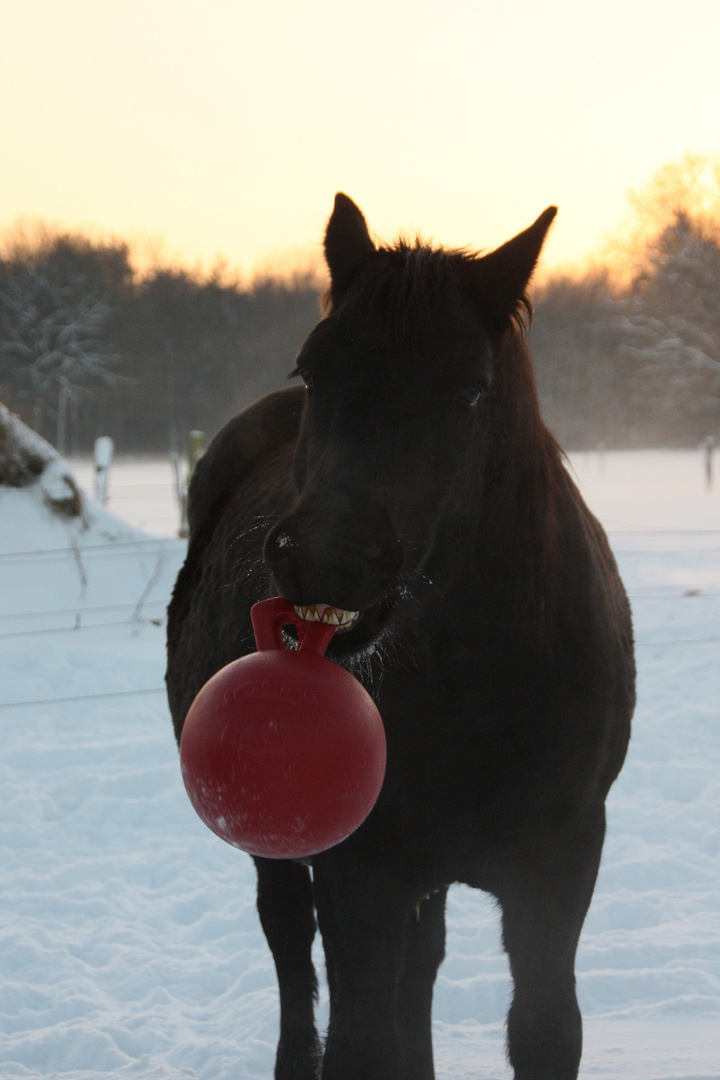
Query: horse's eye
x=304 y=375
x=471 y=395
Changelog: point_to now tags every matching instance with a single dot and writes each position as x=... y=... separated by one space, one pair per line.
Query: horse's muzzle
x=328 y=559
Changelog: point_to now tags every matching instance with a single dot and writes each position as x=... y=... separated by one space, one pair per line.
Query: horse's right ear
x=347 y=245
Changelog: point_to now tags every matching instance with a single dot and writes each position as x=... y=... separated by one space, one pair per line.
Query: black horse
x=411 y=485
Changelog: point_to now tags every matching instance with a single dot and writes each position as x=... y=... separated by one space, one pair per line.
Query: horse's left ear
x=347 y=245
x=501 y=278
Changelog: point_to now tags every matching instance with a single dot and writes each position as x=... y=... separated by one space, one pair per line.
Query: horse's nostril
x=283 y=540
x=278 y=545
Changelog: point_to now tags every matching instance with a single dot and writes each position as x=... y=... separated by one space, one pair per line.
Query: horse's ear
x=347 y=244
x=501 y=278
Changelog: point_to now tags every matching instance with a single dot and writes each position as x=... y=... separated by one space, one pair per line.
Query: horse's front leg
x=285 y=906
x=363 y=914
x=423 y=953
x=544 y=901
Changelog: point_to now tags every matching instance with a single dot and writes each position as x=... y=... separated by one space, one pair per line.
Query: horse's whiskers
x=262 y=523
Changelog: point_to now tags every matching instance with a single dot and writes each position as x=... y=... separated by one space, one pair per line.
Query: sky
x=204 y=130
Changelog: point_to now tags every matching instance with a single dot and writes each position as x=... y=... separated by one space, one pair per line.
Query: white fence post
x=708 y=445
x=103 y=452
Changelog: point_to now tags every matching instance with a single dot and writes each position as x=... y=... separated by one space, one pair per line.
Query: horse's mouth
x=356 y=630
x=326 y=613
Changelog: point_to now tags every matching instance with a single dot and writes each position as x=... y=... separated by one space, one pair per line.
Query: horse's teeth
x=330 y=615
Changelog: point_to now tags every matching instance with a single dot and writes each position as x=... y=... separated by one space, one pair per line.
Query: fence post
x=102 y=453
x=708 y=445
x=196 y=449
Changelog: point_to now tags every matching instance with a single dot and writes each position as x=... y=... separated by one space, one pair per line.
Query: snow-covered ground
x=129 y=944
x=140 y=490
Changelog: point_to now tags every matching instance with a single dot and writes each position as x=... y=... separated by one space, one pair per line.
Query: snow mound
x=41 y=504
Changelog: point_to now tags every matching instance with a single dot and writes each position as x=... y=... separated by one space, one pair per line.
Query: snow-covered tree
x=670 y=322
x=55 y=308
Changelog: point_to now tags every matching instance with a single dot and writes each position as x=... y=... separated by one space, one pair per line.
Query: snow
x=129 y=943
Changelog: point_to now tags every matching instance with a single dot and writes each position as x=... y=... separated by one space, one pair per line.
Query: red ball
x=283 y=751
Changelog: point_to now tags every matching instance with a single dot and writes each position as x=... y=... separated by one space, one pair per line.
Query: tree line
x=627 y=353
x=88 y=348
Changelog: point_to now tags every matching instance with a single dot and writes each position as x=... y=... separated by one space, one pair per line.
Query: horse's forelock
x=396 y=286
x=401 y=284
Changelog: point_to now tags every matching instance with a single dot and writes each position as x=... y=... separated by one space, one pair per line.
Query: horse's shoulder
x=265 y=426
x=242 y=445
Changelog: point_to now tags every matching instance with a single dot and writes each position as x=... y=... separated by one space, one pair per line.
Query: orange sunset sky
x=223 y=128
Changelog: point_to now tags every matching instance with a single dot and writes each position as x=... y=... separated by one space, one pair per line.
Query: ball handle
x=269 y=617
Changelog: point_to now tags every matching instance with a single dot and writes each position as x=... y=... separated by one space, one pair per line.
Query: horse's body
x=413 y=481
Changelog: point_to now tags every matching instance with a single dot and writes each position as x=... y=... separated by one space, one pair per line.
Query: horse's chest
x=461 y=752
x=435 y=752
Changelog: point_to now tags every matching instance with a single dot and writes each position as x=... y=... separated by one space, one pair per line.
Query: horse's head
x=405 y=387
